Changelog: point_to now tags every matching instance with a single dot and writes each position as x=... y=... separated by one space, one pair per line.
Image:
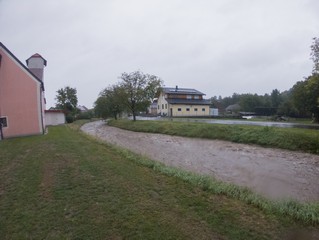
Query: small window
x=187 y=109
x=189 y=96
x=165 y=105
x=196 y=97
x=203 y=109
x=157 y=106
x=195 y=109
x=162 y=106
x=179 y=109
x=3 y=121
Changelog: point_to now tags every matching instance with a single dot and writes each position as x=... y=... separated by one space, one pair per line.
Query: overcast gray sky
x=219 y=47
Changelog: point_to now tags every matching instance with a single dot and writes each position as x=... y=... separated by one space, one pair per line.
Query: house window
x=4 y=121
x=179 y=109
x=165 y=105
x=195 y=109
x=203 y=109
x=189 y=96
x=162 y=106
x=187 y=109
x=157 y=106
x=196 y=97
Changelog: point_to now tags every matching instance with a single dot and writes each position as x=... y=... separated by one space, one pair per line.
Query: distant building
x=82 y=108
x=182 y=102
x=22 y=101
x=54 y=117
x=233 y=109
x=153 y=108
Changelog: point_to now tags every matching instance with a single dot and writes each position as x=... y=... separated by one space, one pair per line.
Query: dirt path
x=273 y=173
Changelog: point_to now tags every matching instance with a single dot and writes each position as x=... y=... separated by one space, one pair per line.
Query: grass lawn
x=66 y=185
x=306 y=140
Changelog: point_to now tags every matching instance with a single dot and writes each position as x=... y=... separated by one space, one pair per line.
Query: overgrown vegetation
x=65 y=185
x=286 y=138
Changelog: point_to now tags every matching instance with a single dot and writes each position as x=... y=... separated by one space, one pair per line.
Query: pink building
x=22 y=101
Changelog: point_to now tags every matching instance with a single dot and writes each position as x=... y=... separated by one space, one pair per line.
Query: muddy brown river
x=273 y=173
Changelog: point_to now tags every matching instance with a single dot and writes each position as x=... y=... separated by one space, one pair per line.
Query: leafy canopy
x=137 y=90
x=67 y=99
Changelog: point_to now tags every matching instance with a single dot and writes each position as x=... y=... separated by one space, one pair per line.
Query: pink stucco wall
x=19 y=98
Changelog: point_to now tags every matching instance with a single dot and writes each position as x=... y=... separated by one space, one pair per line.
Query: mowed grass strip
x=306 y=140
x=65 y=185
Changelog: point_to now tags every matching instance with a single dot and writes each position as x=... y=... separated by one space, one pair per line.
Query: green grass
x=66 y=185
x=306 y=140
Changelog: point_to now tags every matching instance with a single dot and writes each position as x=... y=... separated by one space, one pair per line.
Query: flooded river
x=273 y=173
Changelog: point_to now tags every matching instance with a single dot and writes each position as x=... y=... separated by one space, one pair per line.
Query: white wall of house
x=54 y=118
x=162 y=105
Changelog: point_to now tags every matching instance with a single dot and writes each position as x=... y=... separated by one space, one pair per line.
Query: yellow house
x=182 y=102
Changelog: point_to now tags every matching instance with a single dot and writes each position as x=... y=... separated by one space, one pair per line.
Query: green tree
x=312 y=92
x=109 y=102
x=137 y=90
x=299 y=98
x=275 y=98
x=306 y=97
x=248 y=102
x=66 y=99
x=286 y=107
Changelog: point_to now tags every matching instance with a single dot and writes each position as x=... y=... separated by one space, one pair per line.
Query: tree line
x=302 y=100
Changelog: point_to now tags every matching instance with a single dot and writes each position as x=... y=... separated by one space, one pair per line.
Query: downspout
x=41 y=108
x=1 y=132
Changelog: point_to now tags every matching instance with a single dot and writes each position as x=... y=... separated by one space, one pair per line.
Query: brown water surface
x=273 y=173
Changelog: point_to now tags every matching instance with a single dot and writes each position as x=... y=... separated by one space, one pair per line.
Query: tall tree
x=312 y=92
x=109 y=102
x=275 y=98
x=67 y=100
x=137 y=90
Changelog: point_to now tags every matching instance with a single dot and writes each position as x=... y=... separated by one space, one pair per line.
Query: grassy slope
x=65 y=185
x=287 y=138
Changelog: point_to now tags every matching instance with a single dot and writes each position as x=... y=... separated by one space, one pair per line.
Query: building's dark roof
x=178 y=90
x=188 y=101
x=19 y=62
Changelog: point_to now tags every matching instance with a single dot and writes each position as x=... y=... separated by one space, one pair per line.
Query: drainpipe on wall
x=1 y=133
x=41 y=109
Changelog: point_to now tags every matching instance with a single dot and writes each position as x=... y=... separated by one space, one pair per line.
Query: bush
x=69 y=118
